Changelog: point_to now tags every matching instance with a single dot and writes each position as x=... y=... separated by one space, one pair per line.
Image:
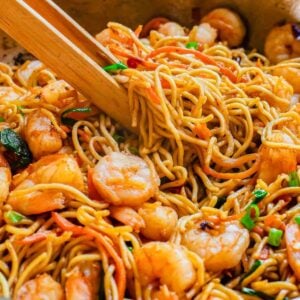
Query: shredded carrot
x=274 y=221
x=202 y=131
x=65 y=128
x=85 y=136
x=153 y=95
x=203 y=57
x=66 y=225
x=138 y=30
x=34 y=238
x=92 y=192
x=79 y=160
x=165 y=83
x=258 y=230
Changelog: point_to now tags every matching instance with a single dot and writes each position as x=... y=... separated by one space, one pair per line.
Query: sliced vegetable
x=294 y=179
x=192 y=45
x=118 y=138
x=248 y=220
x=259 y=195
x=68 y=121
x=115 y=67
x=297 y=220
x=19 y=155
x=220 y=201
x=274 y=238
x=20 y=109
x=274 y=221
x=2 y=119
x=259 y=294
x=130 y=248
x=14 y=216
x=133 y=150
x=253 y=268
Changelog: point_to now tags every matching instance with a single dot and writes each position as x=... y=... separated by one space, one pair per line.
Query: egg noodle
x=214 y=124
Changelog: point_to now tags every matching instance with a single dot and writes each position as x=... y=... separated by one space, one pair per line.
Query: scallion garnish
x=2 y=119
x=192 y=45
x=69 y=121
x=14 y=216
x=115 y=67
x=118 y=138
x=294 y=179
x=297 y=219
x=248 y=221
x=253 y=268
x=274 y=238
x=133 y=150
x=259 y=195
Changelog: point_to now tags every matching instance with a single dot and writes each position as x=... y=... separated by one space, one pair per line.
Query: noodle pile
x=203 y=118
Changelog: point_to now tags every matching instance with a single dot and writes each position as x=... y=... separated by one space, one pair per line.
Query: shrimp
x=128 y=216
x=292 y=240
x=165 y=263
x=153 y=24
x=5 y=179
x=41 y=136
x=220 y=243
x=171 y=29
x=109 y=36
x=83 y=284
x=229 y=25
x=204 y=34
x=57 y=168
x=25 y=73
x=282 y=160
x=160 y=221
x=282 y=44
x=291 y=75
x=41 y=287
x=124 y=179
x=59 y=93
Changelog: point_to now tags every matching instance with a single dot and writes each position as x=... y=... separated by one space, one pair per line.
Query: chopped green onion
x=220 y=201
x=294 y=179
x=259 y=195
x=274 y=238
x=133 y=150
x=20 y=107
x=115 y=67
x=130 y=248
x=297 y=220
x=68 y=121
x=14 y=216
x=247 y=220
x=2 y=119
x=118 y=138
x=192 y=45
x=258 y=294
x=253 y=268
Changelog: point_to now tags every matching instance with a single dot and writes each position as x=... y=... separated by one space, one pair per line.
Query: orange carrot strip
x=202 y=131
x=65 y=128
x=66 y=225
x=165 y=83
x=274 y=221
x=153 y=95
x=34 y=238
x=138 y=30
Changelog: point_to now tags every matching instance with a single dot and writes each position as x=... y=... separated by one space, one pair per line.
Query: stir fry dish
x=203 y=204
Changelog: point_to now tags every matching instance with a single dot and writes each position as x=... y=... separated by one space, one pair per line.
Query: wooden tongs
x=47 y=32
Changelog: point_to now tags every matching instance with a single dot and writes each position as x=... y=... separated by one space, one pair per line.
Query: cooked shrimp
x=204 y=34
x=275 y=161
x=108 y=36
x=292 y=239
x=229 y=25
x=171 y=29
x=164 y=294
x=220 y=243
x=40 y=134
x=5 y=179
x=160 y=221
x=291 y=75
x=128 y=216
x=25 y=73
x=165 y=263
x=124 y=179
x=41 y=287
x=153 y=24
x=59 y=93
x=57 y=168
x=281 y=44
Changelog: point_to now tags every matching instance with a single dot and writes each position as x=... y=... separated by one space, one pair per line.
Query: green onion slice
x=253 y=268
x=115 y=67
x=118 y=138
x=14 y=216
x=259 y=195
x=274 y=238
x=192 y=45
x=294 y=179
x=2 y=119
x=247 y=220
x=68 y=121
x=297 y=219
x=133 y=150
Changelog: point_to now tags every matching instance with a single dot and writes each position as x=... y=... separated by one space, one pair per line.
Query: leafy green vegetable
x=21 y=156
x=14 y=216
x=118 y=138
x=2 y=119
x=297 y=220
x=274 y=238
x=294 y=179
x=220 y=201
x=192 y=45
x=253 y=268
x=259 y=294
x=259 y=195
x=115 y=67
x=68 y=121
x=133 y=150
x=247 y=220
